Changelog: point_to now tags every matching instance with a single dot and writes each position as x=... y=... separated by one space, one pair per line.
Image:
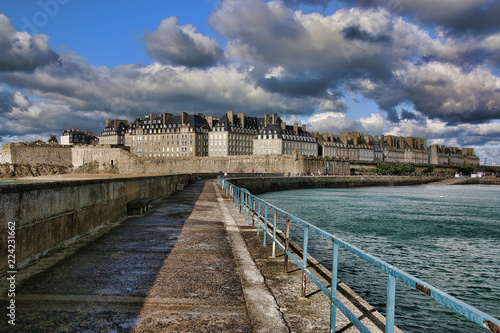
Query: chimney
x=241 y=115
x=166 y=118
x=303 y=128
x=107 y=122
x=296 y=128
x=283 y=125
x=230 y=116
x=184 y=118
x=210 y=121
x=266 y=119
x=275 y=118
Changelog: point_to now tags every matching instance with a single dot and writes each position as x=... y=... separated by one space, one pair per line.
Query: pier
x=192 y=263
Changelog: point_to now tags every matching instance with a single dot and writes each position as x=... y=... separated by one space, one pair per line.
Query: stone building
x=234 y=134
x=278 y=138
x=332 y=146
x=114 y=132
x=74 y=136
x=168 y=136
x=53 y=139
x=352 y=146
x=452 y=156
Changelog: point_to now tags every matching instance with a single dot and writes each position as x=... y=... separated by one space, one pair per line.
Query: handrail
x=255 y=207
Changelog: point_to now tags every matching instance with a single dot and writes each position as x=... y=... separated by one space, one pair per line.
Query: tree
x=428 y=170
x=466 y=170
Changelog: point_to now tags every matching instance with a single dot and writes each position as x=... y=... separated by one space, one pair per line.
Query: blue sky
x=428 y=69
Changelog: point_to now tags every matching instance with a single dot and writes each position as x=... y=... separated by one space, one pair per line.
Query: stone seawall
x=48 y=215
x=272 y=184
x=124 y=162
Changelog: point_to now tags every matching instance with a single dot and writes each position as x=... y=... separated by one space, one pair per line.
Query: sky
x=428 y=68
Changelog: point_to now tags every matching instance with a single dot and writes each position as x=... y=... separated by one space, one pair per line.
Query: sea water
x=445 y=235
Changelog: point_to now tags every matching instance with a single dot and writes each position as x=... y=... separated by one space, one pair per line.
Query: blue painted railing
x=259 y=210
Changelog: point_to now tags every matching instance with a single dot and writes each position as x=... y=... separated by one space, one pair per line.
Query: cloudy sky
x=428 y=68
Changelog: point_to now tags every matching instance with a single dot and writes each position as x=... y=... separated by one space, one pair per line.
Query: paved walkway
x=171 y=270
x=183 y=267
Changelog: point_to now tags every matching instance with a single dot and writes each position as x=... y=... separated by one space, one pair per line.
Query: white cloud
x=181 y=45
x=20 y=51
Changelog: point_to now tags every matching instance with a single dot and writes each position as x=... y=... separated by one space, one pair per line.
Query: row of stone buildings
x=189 y=135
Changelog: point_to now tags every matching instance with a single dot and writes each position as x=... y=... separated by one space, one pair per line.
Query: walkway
x=183 y=267
x=171 y=270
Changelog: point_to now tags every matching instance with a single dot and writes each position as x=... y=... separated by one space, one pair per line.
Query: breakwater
x=48 y=215
x=258 y=185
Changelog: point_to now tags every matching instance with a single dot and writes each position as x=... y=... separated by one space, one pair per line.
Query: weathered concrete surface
x=47 y=215
x=171 y=270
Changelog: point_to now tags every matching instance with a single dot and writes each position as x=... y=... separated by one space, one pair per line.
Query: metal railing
x=260 y=211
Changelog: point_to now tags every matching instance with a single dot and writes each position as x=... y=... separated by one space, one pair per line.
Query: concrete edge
x=263 y=310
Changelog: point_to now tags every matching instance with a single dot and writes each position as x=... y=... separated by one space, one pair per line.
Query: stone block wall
x=272 y=184
x=127 y=163
x=47 y=215
x=5 y=156
x=19 y=153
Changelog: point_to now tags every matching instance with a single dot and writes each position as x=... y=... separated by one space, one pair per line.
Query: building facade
x=452 y=156
x=74 y=136
x=114 y=132
x=168 y=136
x=173 y=136
x=278 y=138
x=234 y=134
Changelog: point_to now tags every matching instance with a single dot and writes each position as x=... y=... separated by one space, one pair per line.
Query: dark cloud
x=356 y=33
x=5 y=102
x=455 y=16
x=296 y=85
x=296 y=3
x=21 y=52
x=180 y=45
x=407 y=115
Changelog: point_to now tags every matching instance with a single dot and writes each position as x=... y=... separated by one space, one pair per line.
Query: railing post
x=264 y=229
x=304 y=259
x=391 y=303
x=241 y=199
x=287 y=235
x=258 y=220
x=249 y=200
x=250 y=216
x=333 y=294
x=274 y=232
x=254 y=213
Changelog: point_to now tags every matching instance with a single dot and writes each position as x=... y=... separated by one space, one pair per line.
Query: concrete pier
x=191 y=264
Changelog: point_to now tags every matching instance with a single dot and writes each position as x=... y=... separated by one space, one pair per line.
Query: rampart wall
x=272 y=184
x=48 y=215
x=19 y=153
x=126 y=163
x=5 y=156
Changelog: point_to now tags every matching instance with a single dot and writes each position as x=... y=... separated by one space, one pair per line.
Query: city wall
x=126 y=163
x=31 y=154
x=48 y=215
x=272 y=184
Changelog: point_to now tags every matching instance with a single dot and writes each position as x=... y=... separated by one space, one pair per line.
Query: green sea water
x=446 y=235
